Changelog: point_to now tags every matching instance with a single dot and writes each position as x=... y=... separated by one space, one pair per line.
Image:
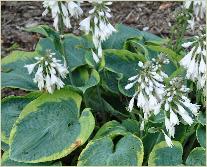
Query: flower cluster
x=195 y=61
x=199 y=10
x=62 y=10
x=175 y=102
x=98 y=24
x=199 y=7
x=149 y=86
x=49 y=72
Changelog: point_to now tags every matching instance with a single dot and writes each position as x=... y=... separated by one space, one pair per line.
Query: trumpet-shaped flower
x=49 y=72
x=98 y=25
x=195 y=61
x=199 y=7
x=176 y=104
x=63 y=10
x=149 y=86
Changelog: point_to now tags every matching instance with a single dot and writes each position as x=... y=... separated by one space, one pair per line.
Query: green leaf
x=117 y=39
x=11 y=108
x=14 y=74
x=75 y=50
x=100 y=104
x=4 y=146
x=172 y=56
x=50 y=128
x=201 y=135
x=197 y=157
x=109 y=81
x=163 y=155
x=132 y=126
x=202 y=118
x=149 y=141
x=118 y=61
x=111 y=129
x=128 y=151
x=44 y=30
x=84 y=78
x=6 y=161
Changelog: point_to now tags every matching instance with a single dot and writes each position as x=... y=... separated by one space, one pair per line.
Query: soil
x=155 y=17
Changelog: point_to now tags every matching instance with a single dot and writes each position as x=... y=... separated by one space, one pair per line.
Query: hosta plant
x=113 y=95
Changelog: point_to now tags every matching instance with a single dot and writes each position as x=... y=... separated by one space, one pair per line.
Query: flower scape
x=112 y=96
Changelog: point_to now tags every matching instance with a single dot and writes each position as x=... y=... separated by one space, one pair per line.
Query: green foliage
x=163 y=155
x=6 y=161
x=201 y=135
x=197 y=157
x=104 y=151
x=86 y=122
x=111 y=129
x=11 y=108
x=38 y=127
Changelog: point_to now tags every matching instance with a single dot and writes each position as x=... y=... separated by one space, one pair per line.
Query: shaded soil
x=156 y=17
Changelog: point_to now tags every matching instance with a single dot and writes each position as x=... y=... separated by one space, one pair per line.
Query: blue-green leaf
x=50 y=127
x=197 y=157
x=163 y=155
x=11 y=108
x=128 y=151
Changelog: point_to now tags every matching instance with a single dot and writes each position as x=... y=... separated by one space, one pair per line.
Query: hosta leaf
x=111 y=129
x=45 y=44
x=11 y=108
x=124 y=63
x=6 y=161
x=163 y=155
x=75 y=50
x=50 y=128
x=202 y=118
x=100 y=104
x=4 y=146
x=201 y=135
x=149 y=141
x=43 y=30
x=128 y=151
x=131 y=125
x=117 y=39
x=84 y=78
x=109 y=81
x=197 y=157
x=14 y=74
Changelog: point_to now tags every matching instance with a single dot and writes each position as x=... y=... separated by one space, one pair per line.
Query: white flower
x=95 y=57
x=30 y=67
x=199 y=7
x=39 y=79
x=149 y=84
x=49 y=72
x=62 y=9
x=179 y=104
x=168 y=140
x=98 y=25
x=74 y=9
x=85 y=25
x=195 y=61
